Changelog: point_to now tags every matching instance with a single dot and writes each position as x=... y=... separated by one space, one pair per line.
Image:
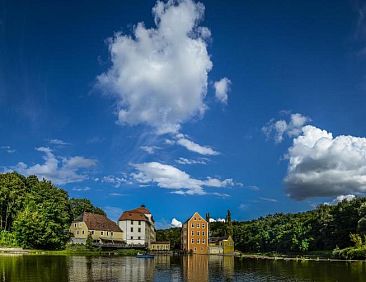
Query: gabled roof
x=129 y=215
x=141 y=209
x=98 y=222
x=136 y=214
x=196 y=213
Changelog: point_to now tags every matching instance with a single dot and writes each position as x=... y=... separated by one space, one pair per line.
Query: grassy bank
x=70 y=250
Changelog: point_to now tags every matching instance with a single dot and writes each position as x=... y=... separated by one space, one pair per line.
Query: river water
x=173 y=268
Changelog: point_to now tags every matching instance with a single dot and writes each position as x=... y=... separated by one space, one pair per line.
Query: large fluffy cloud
x=323 y=165
x=170 y=177
x=159 y=75
x=278 y=129
x=57 y=169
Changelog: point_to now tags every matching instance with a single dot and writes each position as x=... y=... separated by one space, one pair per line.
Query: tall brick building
x=194 y=235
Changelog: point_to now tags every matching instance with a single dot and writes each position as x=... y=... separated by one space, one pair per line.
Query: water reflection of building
x=224 y=265
x=195 y=268
x=110 y=269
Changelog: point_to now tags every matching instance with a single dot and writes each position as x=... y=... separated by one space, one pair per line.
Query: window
x=199 y=218
x=198 y=233
x=195 y=219
x=203 y=225
x=139 y=230
x=198 y=240
x=131 y=221
x=139 y=238
x=131 y=229
x=192 y=225
x=92 y=232
x=192 y=233
x=192 y=241
x=83 y=231
x=195 y=249
x=139 y=222
x=111 y=233
x=131 y=237
x=203 y=233
x=77 y=232
x=75 y=224
x=203 y=241
x=107 y=233
x=101 y=233
x=198 y=225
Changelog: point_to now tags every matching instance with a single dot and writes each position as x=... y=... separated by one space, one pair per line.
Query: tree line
x=340 y=227
x=35 y=213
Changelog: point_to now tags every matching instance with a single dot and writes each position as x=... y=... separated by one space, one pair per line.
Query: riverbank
x=315 y=256
x=70 y=251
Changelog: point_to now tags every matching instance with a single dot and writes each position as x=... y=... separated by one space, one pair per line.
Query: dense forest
x=326 y=228
x=36 y=214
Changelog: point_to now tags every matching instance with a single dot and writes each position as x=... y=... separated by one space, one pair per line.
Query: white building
x=138 y=226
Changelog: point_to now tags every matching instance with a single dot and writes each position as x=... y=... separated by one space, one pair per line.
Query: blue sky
x=252 y=106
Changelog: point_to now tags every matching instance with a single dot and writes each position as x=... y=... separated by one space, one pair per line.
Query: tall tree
x=12 y=194
x=46 y=218
x=78 y=206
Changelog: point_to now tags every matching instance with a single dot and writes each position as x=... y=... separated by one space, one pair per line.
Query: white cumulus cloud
x=222 y=88
x=176 y=223
x=170 y=177
x=159 y=75
x=278 y=129
x=59 y=170
x=323 y=165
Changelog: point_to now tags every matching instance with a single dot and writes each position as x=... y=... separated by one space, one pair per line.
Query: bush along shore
x=36 y=215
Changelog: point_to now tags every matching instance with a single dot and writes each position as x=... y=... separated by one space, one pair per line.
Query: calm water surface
x=173 y=268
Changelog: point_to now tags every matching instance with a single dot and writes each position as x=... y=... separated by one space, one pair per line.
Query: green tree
x=12 y=194
x=46 y=218
x=78 y=206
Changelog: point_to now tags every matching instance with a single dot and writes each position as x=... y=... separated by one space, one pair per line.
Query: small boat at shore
x=148 y=256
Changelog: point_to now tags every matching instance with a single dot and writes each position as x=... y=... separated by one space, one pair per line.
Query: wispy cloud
x=185 y=161
x=268 y=199
x=60 y=170
x=170 y=177
x=280 y=128
x=8 y=149
x=58 y=142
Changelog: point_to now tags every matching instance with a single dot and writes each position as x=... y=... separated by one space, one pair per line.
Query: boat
x=147 y=256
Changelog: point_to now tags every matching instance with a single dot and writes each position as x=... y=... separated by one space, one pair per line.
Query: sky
x=184 y=106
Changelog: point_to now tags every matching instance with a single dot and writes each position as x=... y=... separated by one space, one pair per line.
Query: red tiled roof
x=141 y=210
x=98 y=222
x=132 y=216
x=136 y=214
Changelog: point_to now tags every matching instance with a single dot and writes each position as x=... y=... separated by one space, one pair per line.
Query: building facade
x=101 y=229
x=194 y=235
x=221 y=246
x=159 y=246
x=138 y=227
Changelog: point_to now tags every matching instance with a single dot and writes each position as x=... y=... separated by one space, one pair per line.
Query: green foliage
x=8 y=239
x=356 y=239
x=45 y=219
x=78 y=206
x=172 y=235
x=12 y=194
x=89 y=242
